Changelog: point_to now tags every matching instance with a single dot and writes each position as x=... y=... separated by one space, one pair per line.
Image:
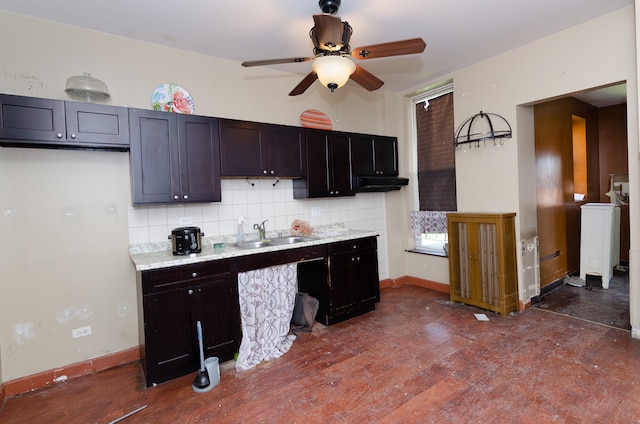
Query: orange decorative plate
x=312 y=118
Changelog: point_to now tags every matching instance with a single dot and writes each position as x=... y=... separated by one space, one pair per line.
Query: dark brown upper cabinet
x=329 y=172
x=175 y=158
x=253 y=149
x=375 y=155
x=47 y=123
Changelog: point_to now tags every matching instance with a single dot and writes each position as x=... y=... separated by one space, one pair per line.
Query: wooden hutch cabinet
x=482 y=260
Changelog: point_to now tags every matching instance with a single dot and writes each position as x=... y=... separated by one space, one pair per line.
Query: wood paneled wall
x=614 y=159
x=558 y=213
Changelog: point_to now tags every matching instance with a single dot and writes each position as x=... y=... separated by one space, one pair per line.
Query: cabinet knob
x=337 y=192
x=272 y=172
x=194 y=275
x=190 y=291
x=176 y=197
x=59 y=135
x=73 y=136
x=185 y=197
x=355 y=246
x=264 y=171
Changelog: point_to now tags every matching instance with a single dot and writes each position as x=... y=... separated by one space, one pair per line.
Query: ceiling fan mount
x=332 y=64
x=329 y=6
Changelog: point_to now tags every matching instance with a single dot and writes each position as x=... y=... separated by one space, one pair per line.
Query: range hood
x=375 y=184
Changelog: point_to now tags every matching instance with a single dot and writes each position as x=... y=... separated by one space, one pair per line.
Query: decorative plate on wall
x=172 y=98
x=312 y=118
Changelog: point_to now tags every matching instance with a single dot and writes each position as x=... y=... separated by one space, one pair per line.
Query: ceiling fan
x=331 y=63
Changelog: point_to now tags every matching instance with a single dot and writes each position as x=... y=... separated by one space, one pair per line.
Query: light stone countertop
x=159 y=255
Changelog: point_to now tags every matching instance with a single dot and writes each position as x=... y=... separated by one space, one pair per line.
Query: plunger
x=201 y=382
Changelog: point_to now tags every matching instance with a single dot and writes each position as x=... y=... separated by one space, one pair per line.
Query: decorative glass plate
x=312 y=118
x=172 y=98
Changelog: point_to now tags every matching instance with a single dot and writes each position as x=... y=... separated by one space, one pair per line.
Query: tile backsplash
x=257 y=200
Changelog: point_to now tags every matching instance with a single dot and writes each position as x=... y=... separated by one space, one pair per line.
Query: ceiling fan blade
x=395 y=48
x=327 y=32
x=275 y=61
x=366 y=79
x=304 y=84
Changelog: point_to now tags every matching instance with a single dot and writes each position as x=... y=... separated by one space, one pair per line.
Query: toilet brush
x=201 y=383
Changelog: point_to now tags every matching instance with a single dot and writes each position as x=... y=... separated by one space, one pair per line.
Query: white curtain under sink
x=267 y=298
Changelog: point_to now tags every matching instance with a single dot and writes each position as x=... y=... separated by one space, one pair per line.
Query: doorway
x=602 y=113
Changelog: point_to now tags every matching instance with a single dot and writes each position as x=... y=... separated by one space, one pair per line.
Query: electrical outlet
x=185 y=220
x=81 y=332
x=315 y=211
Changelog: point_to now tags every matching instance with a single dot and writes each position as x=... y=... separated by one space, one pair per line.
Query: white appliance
x=599 y=240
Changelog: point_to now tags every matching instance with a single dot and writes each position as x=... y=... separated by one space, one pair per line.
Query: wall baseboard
x=50 y=377
x=415 y=281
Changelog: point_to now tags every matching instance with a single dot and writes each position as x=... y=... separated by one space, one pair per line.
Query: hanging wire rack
x=481 y=127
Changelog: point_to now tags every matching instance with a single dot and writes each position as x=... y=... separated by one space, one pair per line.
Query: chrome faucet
x=260 y=228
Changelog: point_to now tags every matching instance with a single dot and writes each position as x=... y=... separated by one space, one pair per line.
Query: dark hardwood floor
x=417 y=359
x=591 y=302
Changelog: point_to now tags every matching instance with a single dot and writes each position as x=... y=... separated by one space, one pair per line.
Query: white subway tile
x=138 y=217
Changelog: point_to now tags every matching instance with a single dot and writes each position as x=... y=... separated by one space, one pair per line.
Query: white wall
x=65 y=215
x=490 y=179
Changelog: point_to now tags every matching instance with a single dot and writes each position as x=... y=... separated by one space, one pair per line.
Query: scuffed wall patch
x=123 y=309
x=22 y=83
x=23 y=332
x=82 y=312
x=66 y=314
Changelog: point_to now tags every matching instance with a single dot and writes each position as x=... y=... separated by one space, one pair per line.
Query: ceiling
x=240 y=30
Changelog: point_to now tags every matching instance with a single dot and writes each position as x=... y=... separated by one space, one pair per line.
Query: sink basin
x=291 y=239
x=255 y=244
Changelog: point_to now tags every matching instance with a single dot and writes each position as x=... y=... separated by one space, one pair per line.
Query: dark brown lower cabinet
x=173 y=300
x=343 y=276
x=352 y=287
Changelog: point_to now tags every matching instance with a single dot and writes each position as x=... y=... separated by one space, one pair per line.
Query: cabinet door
x=169 y=336
x=385 y=156
x=24 y=119
x=97 y=125
x=154 y=157
x=328 y=166
x=340 y=160
x=242 y=148
x=318 y=182
x=341 y=285
x=365 y=273
x=218 y=309
x=375 y=155
x=286 y=151
x=199 y=159
x=363 y=162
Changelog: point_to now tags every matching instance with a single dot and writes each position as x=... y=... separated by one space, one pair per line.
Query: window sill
x=426 y=252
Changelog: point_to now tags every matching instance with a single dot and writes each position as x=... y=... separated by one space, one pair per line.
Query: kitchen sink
x=256 y=244
x=291 y=239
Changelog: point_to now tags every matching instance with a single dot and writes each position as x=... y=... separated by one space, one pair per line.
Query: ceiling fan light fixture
x=333 y=70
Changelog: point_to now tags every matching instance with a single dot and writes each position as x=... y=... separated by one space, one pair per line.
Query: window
x=435 y=168
x=579 y=142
